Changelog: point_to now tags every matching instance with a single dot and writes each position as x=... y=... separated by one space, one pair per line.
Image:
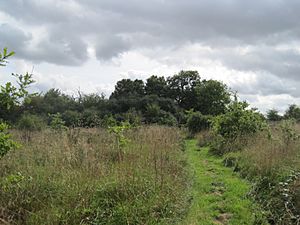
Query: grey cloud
x=162 y=22
x=282 y=63
x=109 y=47
x=267 y=84
x=242 y=35
x=13 y=38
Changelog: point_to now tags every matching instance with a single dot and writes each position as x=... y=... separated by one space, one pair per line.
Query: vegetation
x=233 y=127
x=88 y=159
x=76 y=177
x=219 y=196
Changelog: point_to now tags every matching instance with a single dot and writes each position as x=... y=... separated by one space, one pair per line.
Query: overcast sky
x=252 y=46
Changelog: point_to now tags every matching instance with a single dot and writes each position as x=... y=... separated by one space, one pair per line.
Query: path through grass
x=219 y=195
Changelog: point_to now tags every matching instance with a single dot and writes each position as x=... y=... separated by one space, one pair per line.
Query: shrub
x=133 y=117
x=31 y=122
x=57 y=122
x=233 y=128
x=197 y=122
x=72 y=118
x=156 y=115
x=90 y=118
x=167 y=119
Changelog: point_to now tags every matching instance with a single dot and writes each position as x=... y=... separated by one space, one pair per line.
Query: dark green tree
x=156 y=86
x=293 y=112
x=181 y=88
x=273 y=115
x=212 y=97
x=126 y=88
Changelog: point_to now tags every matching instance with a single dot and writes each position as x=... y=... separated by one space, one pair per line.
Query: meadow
x=79 y=177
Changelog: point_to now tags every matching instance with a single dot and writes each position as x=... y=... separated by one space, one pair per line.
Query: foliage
x=31 y=122
x=90 y=118
x=10 y=97
x=171 y=96
x=167 y=119
x=156 y=86
x=154 y=114
x=212 y=97
x=234 y=126
x=197 y=122
x=289 y=134
x=293 y=112
x=6 y=142
x=272 y=166
x=121 y=140
x=4 y=56
x=181 y=87
x=127 y=87
x=273 y=115
x=72 y=118
x=56 y=122
x=133 y=117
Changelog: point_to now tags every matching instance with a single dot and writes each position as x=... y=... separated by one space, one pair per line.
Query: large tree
x=273 y=115
x=211 y=97
x=127 y=87
x=293 y=112
x=156 y=86
x=182 y=88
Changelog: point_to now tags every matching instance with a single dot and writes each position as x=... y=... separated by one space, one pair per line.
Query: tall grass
x=271 y=160
x=76 y=177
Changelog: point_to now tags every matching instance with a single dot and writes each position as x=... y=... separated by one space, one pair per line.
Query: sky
x=252 y=46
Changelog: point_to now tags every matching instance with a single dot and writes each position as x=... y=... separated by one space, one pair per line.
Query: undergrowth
x=77 y=177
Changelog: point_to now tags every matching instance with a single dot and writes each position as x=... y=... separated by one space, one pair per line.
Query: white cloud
x=253 y=46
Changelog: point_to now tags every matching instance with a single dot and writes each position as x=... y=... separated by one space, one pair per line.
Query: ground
x=219 y=196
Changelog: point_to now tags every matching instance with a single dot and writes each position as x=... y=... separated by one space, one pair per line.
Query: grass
x=76 y=177
x=219 y=195
x=272 y=164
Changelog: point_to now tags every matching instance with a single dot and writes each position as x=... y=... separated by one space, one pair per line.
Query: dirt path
x=219 y=195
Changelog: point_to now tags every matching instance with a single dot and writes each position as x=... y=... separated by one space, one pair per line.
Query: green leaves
x=4 y=56
x=233 y=127
x=6 y=143
x=11 y=96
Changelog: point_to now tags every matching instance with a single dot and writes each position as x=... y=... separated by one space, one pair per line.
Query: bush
x=197 y=122
x=90 y=118
x=167 y=119
x=233 y=128
x=156 y=115
x=57 y=123
x=72 y=118
x=31 y=122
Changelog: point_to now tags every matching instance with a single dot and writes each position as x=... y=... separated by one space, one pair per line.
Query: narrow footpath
x=219 y=196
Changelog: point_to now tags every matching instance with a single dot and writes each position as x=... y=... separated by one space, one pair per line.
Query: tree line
x=160 y=100
x=181 y=99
